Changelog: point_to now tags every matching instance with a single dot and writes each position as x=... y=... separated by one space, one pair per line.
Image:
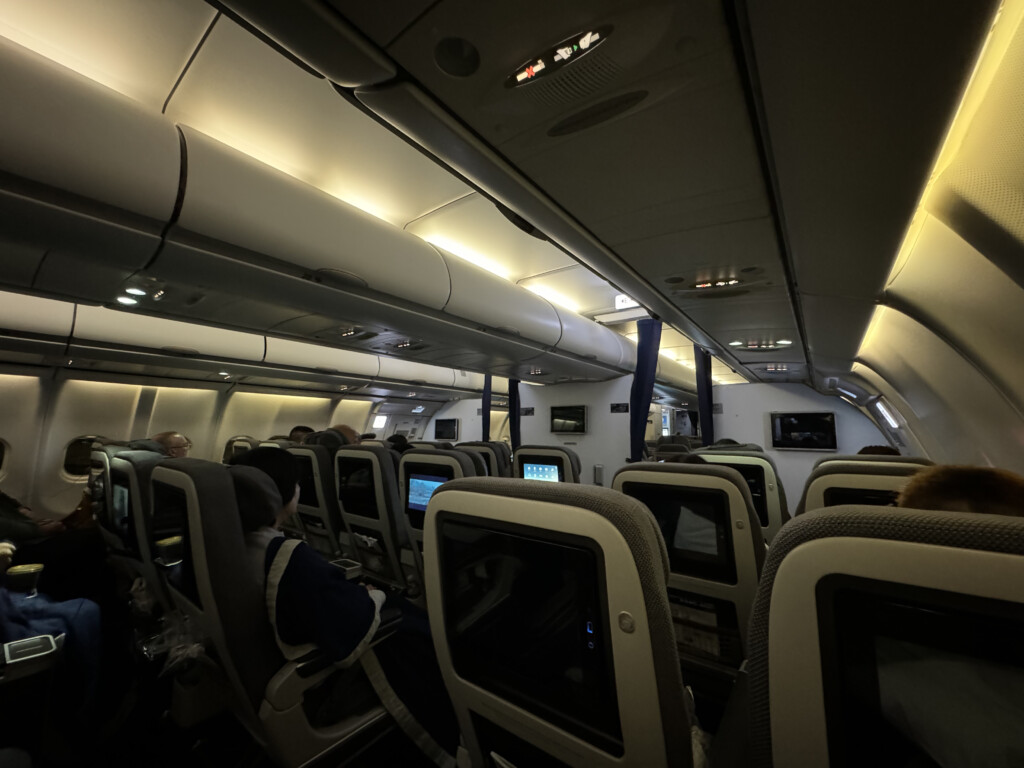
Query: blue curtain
x=485 y=410
x=513 y=414
x=647 y=344
x=707 y=421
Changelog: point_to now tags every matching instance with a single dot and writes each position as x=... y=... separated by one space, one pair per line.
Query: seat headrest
x=331 y=439
x=256 y=496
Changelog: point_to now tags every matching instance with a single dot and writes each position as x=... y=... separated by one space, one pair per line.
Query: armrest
x=22 y=658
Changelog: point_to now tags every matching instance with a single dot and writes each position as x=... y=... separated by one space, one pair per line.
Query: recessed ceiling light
x=223 y=373
x=735 y=343
x=783 y=342
x=536 y=372
x=411 y=394
x=135 y=291
x=343 y=387
x=127 y=300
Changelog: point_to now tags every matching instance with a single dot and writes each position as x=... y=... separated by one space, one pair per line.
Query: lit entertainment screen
x=446 y=429
x=421 y=480
x=804 y=431
x=421 y=488
x=550 y=473
x=695 y=525
x=569 y=419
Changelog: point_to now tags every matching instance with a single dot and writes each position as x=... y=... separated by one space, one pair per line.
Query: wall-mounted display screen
x=446 y=429
x=569 y=419
x=804 y=431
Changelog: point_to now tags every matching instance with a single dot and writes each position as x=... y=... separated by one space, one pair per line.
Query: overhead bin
x=234 y=199
x=298 y=354
x=676 y=374
x=485 y=298
x=114 y=327
x=90 y=178
x=593 y=341
x=416 y=373
x=31 y=314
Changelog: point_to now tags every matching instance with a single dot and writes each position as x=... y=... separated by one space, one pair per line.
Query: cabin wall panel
x=189 y=411
x=261 y=415
x=607 y=438
x=21 y=421
x=355 y=413
x=745 y=418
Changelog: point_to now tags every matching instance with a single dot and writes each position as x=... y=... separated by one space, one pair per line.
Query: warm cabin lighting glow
x=467 y=254
x=554 y=297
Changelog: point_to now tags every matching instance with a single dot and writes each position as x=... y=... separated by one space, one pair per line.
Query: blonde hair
x=984 y=490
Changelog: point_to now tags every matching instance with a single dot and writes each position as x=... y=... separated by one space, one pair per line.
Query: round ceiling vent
x=457 y=57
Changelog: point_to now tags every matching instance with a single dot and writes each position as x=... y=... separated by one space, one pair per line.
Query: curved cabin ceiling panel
x=957 y=291
x=954 y=401
x=115 y=327
x=245 y=94
x=575 y=288
x=136 y=48
x=237 y=200
x=473 y=229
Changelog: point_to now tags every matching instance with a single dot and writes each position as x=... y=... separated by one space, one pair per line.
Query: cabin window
x=77 y=456
x=379 y=422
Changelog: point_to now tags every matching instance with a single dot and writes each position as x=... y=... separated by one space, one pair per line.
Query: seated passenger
x=299 y=432
x=398 y=443
x=350 y=434
x=986 y=490
x=175 y=444
x=878 y=450
x=316 y=604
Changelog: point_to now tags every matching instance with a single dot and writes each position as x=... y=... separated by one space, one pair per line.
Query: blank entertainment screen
x=528 y=622
x=551 y=473
x=569 y=419
x=695 y=525
x=355 y=486
x=804 y=431
x=446 y=429
x=307 y=482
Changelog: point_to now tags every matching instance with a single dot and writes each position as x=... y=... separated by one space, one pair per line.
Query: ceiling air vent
x=597 y=113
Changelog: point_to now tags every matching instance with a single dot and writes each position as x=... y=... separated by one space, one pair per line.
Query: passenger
x=350 y=434
x=368 y=436
x=878 y=450
x=686 y=458
x=985 y=490
x=398 y=443
x=316 y=604
x=298 y=433
x=175 y=444
x=726 y=441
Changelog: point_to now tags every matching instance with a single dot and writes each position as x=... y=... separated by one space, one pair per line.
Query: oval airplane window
x=77 y=455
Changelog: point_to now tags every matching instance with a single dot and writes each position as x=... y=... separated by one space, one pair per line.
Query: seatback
x=129 y=482
x=855 y=482
x=668 y=450
x=481 y=468
x=422 y=471
x=238 y=444
x=716 y=552
x=441 y=445
x=731 y=447
x=111 y=518
x=878 y=630
x=319 y=511
x=366 y=480
x=551 y=625
x=546 y=462
x=900 y=460
x=494 y=452
x=764 y=482
x=277 y=442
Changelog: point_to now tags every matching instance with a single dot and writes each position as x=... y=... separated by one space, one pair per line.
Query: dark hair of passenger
x=878 y=450
x=984 y=490
x=281 y=466
x=686 y=458
x=726 y=441
x=368 y=436
x=299 y=432
x=399 y=443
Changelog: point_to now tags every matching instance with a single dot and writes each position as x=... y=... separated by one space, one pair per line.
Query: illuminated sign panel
x=554 y=59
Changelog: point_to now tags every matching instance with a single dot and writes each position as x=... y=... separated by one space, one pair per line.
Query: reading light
x=128 y=301
x=411 y=394
x=886 y=415
x=783 y=342
x=403 y=344
x=343 y=388
x=536 y=372
x=135 y=291
x=224 y=373
x=735 y=343
x=348 y=332
x=158 y=295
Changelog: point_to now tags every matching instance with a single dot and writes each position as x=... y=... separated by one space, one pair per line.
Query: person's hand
x=6 y=554
x=50 y=527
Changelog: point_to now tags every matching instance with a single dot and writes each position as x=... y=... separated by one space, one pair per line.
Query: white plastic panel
x=113 y=326
x=31 y=314
x=239 y=200
x=354 y=413
x=406 y=370
x=671 y=372
x=589 y=339
x=242 y=92
x=71 y=133
x=485 y=298
x=298 y=354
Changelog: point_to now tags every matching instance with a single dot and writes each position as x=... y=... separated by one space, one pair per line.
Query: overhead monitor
x=804 y=431
x=446 y=429
x=569 y=419
x=356 y=490
x=527 y=620
x=695 y=524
